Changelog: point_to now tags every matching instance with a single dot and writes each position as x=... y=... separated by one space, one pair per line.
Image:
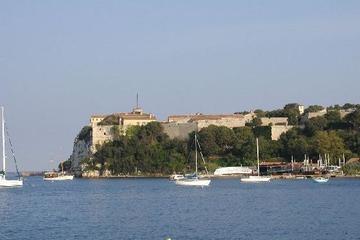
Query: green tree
x=244 y=146
x=314 y=108
x=293 y=144
x=255 y=122
x=333 y=116
x=260 y=113
x=329 y=143
x=354 y=119
x=315 y=124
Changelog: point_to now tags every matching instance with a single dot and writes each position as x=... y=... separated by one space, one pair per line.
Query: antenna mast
x=257 y=156
x=137 y=100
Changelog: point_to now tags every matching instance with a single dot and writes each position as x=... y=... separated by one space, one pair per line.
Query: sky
x=61 y=61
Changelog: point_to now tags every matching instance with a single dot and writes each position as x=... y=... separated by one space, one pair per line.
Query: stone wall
x=310 y=115
x=277 y=130
x=205 y=120
x=100 y=135
x=344 y=112
x=274 y=121
x=104 y=133
x=179 y=130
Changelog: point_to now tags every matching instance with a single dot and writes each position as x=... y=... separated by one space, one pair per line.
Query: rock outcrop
x=81 y=149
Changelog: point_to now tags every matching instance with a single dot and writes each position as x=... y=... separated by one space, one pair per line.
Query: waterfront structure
x=179 y=126
x=104 y=126
x=205 y=120
x=274 y=121
x=176 y=126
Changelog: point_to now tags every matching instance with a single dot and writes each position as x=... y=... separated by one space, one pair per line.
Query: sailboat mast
x=3 y=138
x=196 y=163
x=257 y=156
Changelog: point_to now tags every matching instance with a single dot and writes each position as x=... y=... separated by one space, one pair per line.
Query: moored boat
x=58 y=176
x=175 y=177
x=194 y=180
x=321 y=179
x=3 y=181
x=55 y=176
x=228 y=171
x=258 y=178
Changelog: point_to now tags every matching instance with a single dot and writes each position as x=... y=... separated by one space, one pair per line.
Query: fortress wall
x=226 y=122
x=179 y=130
x=277 y=130
x=274 y=121
x=100 y=134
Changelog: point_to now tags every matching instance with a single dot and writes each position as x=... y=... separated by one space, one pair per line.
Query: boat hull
x=228 y=171
x=60 y=178
x=321 y=180
x=10 y=183
x=193 y=182
x=255 y=179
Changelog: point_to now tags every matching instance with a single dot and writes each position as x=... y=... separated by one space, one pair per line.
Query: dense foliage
x=148 y=150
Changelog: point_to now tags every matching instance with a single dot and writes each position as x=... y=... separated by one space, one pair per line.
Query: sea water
x=158 y=209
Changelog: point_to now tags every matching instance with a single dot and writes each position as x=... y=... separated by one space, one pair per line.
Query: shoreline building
x=104 y=126
x=179 y=126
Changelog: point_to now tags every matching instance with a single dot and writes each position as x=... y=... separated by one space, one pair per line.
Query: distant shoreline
x=215 y=177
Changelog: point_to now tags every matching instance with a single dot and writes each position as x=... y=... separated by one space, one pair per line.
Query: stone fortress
x=176 y=126
x=103 y=125
x=179 y=126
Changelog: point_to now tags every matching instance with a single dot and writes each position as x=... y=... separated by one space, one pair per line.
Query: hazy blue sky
x=61 y=61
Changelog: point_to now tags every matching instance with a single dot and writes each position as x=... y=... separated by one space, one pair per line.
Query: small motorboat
x=255 y=179
x=321 y=179
x=175 y=177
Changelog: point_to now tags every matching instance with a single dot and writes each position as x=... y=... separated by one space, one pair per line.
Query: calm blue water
x=156 y=209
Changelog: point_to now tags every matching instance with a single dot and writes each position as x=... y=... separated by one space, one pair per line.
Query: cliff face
x=81 y=149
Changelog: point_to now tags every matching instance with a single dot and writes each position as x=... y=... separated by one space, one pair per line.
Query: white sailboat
x=3 y=181
x=194 y=180
x=258 y=178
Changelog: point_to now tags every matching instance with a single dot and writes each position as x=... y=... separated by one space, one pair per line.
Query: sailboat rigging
x=257 y=178
x=3 y=181
x=194 y=179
